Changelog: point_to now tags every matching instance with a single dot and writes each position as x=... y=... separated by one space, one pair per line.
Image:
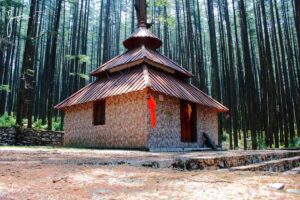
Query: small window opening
x=99 y=113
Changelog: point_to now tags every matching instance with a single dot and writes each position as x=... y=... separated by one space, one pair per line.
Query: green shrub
x=56 y=125
x=224 y=137
x=39 y=125
x=295 y=142
x=7 y=120
x=261 y=144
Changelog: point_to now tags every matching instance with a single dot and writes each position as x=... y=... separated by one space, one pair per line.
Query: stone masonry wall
x=125 y=123
x=7 y=136
x=29 y=137
x=167 y=133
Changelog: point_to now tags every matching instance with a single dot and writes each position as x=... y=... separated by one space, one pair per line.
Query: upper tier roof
x=142 y=36
x=142 y=45
x=140 y=55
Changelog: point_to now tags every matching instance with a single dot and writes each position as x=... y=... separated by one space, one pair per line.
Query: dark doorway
x=188 y=118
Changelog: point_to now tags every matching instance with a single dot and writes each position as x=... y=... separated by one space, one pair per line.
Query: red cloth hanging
x=152 y=107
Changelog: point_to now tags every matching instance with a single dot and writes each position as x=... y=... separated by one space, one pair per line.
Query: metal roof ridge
x=146 y=76
x=173 y=62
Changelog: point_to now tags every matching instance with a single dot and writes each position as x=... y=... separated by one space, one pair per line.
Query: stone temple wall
x=125 y=123
x=167 y=133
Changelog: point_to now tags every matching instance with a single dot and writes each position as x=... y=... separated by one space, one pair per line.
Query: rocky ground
x=38 y=173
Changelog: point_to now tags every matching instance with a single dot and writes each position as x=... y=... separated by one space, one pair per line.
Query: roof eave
x=185 y=74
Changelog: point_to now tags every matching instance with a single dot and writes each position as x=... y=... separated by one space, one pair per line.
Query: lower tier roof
x=136 y=79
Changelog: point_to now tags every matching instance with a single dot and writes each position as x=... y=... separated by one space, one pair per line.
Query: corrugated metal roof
x=138 y=79
x=160 y=82
x=142 y=36
x=117 y=84
x=138 y=56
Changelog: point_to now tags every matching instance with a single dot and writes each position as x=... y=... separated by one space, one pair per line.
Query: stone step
x=293 y=171
x=280 y=165
x=228 y=161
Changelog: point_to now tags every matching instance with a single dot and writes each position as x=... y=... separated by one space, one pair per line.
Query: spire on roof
x=141 y=11
x=142 y=36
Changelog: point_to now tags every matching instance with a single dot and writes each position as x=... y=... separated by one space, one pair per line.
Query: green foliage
x=295 y=142
x=169 y=20
x=4 y=88
x=261 y=144
x=162 y=3
x=30 y=72
x=71 y=1
x=224 y=137
x=11 y=3
x=7 y=120
x=83 y=59
x=39 y=125
x=69 y=57
x=83 y=76
x=56 y=125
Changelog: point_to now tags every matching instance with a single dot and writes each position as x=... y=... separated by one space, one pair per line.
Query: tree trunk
x=53 y=63
x=27 y=84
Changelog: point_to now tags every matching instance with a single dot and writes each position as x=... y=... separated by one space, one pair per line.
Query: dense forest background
x=244 y=53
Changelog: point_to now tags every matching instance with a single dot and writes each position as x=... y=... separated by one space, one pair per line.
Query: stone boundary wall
x=30 y=137
x=7 y=136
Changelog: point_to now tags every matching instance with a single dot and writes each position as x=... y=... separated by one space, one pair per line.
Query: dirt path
x=30 y=174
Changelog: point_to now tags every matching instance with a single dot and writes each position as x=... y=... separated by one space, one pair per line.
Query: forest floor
x=44 y=173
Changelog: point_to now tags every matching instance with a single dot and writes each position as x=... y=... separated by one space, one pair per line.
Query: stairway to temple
x=272 y=161
x=280 y=165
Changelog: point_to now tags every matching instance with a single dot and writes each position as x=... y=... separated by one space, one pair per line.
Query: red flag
x=152 y=107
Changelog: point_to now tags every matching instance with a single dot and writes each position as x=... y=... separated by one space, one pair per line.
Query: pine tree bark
x=27 y=85
x=53 y=63
x=249 y=78
x=297 y=17
x=106 y=32
x=214 y=60
x=232 y=82
x=271 y=81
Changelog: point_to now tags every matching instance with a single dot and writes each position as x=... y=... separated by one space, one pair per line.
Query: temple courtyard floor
x=59 y=173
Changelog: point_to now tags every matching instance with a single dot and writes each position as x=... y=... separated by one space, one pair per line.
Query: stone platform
x=271 y=160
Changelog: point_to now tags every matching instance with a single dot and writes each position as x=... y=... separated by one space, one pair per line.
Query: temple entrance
x=188 y=118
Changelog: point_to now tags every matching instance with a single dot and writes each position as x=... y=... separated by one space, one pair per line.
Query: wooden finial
x=141 y=11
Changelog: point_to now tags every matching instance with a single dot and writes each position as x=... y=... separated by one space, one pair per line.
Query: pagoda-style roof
x=137 y=79
x=140 y=55
x=142 y=36
x=142 y=45
x=141 y=67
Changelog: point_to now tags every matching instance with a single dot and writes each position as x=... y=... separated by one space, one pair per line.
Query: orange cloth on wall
x=152 y=107
x=190 y=110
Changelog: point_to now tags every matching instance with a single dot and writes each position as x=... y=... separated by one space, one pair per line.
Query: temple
x=141 y=100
